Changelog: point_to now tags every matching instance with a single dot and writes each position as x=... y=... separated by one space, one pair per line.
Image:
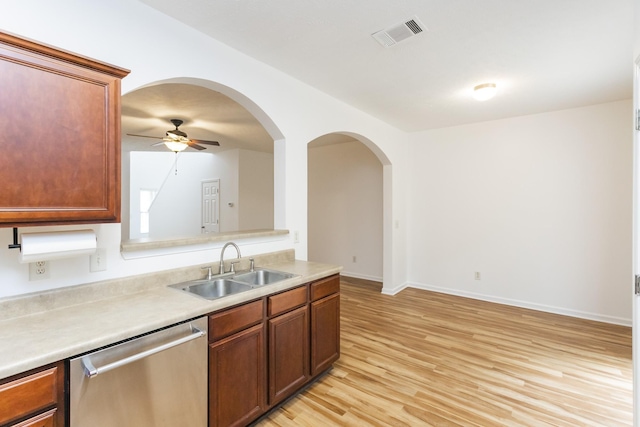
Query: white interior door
x=636 y=247
x=211 y=206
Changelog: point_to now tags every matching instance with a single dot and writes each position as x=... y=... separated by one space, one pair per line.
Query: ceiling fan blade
x=145 y=136
x=196 y=146
x=201 y=141
x=157 y=144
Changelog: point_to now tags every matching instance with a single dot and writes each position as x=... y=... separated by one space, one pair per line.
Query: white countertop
x=113 y=311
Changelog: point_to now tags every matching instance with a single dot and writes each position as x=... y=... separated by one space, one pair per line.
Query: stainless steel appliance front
x=156 y=380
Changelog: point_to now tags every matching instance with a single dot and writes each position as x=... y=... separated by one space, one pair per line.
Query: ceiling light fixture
x=484 y=91
x=176 y=140
x=175 y=146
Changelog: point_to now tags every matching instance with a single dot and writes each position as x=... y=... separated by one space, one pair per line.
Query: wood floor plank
x=421 y=358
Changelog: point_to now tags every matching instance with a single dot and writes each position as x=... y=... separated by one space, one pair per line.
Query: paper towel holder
x=15 y=244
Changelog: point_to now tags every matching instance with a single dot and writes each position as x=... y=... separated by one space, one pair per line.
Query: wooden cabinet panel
x=287 y=300
x=60 y=134
x=325 y=333
x=288 y=353
x=237 y=378
x=32 y=393
x=48 y=419
x=324 y=287
x=230 y=321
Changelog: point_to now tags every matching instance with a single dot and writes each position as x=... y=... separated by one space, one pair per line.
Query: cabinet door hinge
x=637 y=288
x=638 y=119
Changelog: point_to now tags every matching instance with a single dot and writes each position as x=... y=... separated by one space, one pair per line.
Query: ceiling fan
x=176 y=140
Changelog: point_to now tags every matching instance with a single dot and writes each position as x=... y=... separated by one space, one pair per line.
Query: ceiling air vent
x=393 y=35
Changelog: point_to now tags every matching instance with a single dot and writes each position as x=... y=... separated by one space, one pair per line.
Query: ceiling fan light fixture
x=484 y=91
x=175 y=146
x=176 y=140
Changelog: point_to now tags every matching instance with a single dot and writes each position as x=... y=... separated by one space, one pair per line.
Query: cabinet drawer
x=235 y=319
x=324 y=287
x=43 y=420
x=287 y=300
x=24 y=396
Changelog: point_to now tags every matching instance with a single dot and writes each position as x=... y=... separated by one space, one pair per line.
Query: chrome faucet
x=221 y=271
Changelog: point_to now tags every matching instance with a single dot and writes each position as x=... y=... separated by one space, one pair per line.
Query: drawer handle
x=91 y=371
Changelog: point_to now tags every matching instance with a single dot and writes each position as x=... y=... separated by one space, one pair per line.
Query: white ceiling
x=544 y=55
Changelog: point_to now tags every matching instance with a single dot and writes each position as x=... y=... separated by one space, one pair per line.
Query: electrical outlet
x=477 y=275
x=296 y=236
x=98 y=261
x=38 y=270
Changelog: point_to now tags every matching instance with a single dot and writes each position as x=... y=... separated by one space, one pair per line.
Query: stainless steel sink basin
x=222 y=286
x=262 y=276
x=213 y=289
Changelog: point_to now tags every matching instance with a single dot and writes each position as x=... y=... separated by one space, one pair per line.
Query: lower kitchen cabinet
x=237 y=380
x=325 y=323
x=262 y=352
x=325 y=333
x=34 y=399
x=237 y=365
x=288 y=353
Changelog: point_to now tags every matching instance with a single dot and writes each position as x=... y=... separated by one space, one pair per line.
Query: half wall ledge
x=141 y=245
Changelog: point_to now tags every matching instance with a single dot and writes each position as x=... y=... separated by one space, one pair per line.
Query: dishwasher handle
x=91 y=371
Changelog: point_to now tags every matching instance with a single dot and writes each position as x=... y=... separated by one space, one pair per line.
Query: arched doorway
x=346 y=206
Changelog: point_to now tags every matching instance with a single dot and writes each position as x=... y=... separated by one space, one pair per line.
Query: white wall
x=255 y=205
x=539 y=205
x=636 y=29
x=176 y=210
x=227 y=165
x=636 y=237
x=126 y=33
x=345 y=208
x=246 y=190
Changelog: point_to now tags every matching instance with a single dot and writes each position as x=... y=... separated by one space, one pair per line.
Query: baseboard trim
x=393 y=291
x=361 y=276
x=517 y=303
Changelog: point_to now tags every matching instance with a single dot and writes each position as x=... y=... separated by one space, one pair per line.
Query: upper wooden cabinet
x=59 y=135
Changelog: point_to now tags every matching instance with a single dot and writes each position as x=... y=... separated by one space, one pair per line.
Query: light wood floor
x=426 y=359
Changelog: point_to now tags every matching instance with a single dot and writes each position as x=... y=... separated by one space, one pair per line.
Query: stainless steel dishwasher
x=155 y=380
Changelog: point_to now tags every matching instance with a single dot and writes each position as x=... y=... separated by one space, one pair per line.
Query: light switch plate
x=98 y=261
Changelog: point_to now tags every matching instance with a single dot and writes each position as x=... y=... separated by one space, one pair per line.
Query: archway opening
x=242 y=166
x=346 y=205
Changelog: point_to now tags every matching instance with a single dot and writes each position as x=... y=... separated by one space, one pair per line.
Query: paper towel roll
x=54 y=245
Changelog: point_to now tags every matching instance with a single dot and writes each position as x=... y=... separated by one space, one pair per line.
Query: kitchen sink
x=241 y=282
x=214 y=288
x=262 y=276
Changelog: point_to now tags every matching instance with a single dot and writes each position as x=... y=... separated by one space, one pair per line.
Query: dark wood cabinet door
x=60 y=136
x=237 y=378
x=325 y=333
x=288 y=353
